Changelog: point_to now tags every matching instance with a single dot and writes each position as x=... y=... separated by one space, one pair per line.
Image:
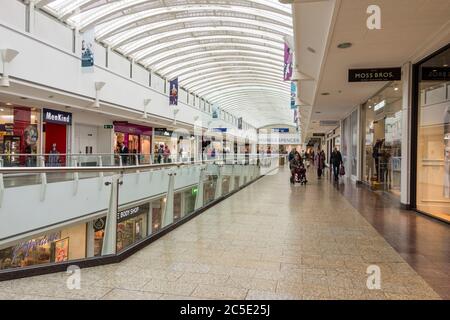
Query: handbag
x=342 y=170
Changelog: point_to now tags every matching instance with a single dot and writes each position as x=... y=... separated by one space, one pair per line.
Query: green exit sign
x=108 y=126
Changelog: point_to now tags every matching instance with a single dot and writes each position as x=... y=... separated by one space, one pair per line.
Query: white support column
x=218 y=191
x=30 y=14
x=167 y=217
x=90 y=236
x=232 y=179
x=199 y=199
x=406 y=135
x=110 y=238
x=150 y=219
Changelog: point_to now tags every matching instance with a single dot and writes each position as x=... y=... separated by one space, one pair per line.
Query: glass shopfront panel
x=383 y=134
x=59 y=246
x=190 y=197
x=19 y=134
x=209 y=189
x=433 y=145
x=131 y=226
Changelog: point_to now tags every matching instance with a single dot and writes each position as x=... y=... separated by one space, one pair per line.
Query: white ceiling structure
x=411 y=29
x=229 y=52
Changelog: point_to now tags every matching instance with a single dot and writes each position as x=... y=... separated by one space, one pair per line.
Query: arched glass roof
x=229 y=52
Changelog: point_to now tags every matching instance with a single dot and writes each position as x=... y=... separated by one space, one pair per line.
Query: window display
x=209 y=189
x=19 y=134
x=382 y=150
x=433 y=141
x=60 y=246
x=131 y=226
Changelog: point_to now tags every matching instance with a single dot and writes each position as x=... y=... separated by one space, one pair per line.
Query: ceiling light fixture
x=7 y=55
x=325 y=93
x=345 y=45
x=396 y=89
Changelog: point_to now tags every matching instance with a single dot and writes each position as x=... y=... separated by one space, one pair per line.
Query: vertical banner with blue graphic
x=87 y=50
x=173 y=92
x=293 y=95
x=288 y=62
x=215 y=112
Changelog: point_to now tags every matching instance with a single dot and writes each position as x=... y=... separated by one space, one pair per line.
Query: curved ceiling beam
x=225 y=75
x=242 y=54
x=177 y=52
x=137 y=37
x=229 y=99
x=239 y=85
x=156 y=49
x=246 y=96
x=244 y=89
x=172 y=72
x=88 y=19
x=230 y=69
x=211 y=83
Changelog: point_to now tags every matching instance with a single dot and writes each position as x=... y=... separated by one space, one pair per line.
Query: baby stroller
x=299 y=175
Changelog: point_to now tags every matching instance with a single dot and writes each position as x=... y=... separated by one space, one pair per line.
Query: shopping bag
x=342 y=170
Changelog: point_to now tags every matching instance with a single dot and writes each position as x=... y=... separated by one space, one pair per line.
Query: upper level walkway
x=268 y=241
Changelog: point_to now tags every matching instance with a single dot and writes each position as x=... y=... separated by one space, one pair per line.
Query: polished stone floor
x=268 y=241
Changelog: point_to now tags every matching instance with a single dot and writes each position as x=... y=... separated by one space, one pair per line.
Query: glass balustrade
x=134 y=205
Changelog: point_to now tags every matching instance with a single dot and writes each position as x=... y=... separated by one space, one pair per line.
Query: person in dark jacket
x=336 y=162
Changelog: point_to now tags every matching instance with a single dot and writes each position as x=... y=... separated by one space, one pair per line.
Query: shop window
x=209 y=189
x=157 y=209
x=382 y=149
x=131 y=226
x=433 y=144
x=19 y=135
x=177 y=210
x=60 y=246
x=226 y=185
x=190 y=197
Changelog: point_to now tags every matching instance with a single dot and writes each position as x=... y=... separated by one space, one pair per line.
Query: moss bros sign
x=377 y=74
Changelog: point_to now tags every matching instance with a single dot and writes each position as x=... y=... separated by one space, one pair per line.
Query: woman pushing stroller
x=298 y=171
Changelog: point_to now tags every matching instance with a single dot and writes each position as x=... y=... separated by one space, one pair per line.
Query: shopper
x=160 y=153
x=320 y=162
x=53 y=158
x=166 y=153
x=123 y=150
x=336 y=162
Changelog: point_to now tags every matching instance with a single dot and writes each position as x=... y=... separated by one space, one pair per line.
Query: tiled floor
x=269 y=241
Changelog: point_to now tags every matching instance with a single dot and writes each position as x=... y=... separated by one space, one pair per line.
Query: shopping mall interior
x=225 y=149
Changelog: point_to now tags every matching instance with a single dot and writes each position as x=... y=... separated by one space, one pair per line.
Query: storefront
x=20 y=133
x=165 y=138
x=136 y=138
x=59 y=246
x=131 y=226
x=57 y=134
x=430 y=190
x=382 y=139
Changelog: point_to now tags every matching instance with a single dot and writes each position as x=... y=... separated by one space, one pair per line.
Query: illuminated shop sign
x=436 y=73
x=129 y=213
x=59 y=117
x=377 y=74
x=379 y=106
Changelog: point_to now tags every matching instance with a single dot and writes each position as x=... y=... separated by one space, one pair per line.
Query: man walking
x=336 y=162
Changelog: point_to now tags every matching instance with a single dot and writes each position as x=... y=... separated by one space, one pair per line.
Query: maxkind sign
x=59 y=117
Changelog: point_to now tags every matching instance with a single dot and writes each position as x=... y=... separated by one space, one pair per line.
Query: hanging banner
x=240 y=123
x=293 y=95
x=173 y=93
x=87 y=49
x=288 y=59
x=215 y=111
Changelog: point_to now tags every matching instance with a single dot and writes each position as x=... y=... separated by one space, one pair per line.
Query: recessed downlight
x=312 y=50
x=345 y=45
x=325 y=93
x=24 y=98
x=318 y=112
x=8 y=104
x=396 y=89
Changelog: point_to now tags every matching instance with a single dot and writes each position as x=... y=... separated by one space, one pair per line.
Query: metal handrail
x=122 y=169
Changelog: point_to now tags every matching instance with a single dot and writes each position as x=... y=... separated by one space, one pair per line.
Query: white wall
x=52 y=31
x=13 y=13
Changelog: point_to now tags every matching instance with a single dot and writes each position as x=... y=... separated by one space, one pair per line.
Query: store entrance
x=55 y=144
x=382 y=157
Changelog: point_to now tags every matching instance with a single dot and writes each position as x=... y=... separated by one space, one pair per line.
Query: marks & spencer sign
x=59 y=117
x=377 y=74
